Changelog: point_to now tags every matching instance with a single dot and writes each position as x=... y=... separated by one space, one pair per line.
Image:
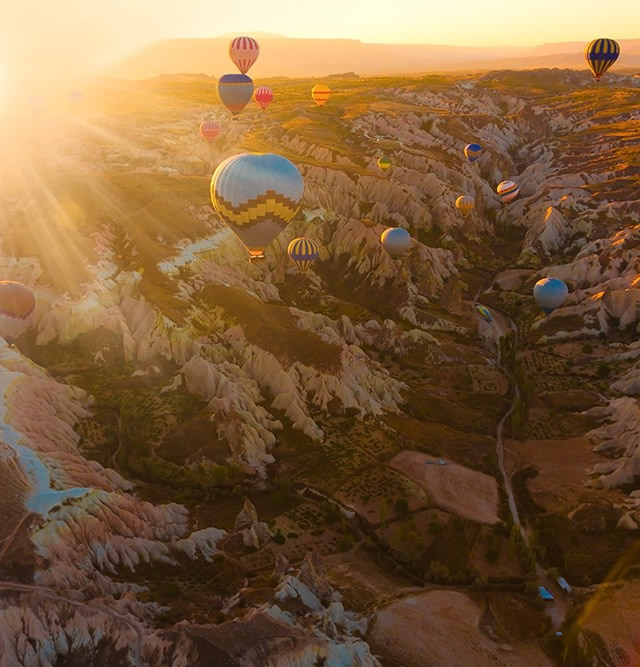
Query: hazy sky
x=65 y=36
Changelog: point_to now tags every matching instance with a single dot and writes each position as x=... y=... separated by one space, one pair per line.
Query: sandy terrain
x=439 y=628
x=362 y=581
x=563 y=466
x=614 y=616
x=468 y=493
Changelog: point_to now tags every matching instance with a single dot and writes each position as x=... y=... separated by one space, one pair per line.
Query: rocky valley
x=206 y=461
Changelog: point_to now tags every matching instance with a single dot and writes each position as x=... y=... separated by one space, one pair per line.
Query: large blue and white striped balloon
x=257 y=195
x=303 y=252
x=550 y=293
x=395 y=241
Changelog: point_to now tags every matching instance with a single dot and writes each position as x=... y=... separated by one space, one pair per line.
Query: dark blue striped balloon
x=235 y=91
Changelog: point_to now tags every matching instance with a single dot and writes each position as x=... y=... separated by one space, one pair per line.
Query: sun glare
x=3 y=85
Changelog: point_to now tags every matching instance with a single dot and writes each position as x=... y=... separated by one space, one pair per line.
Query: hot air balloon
x=17 y=302
x=320 y=94
x=485 y=312
x=550 y=293
x=472 y=152
x=235 y=91
x=600 y=55
x=303 y=252
x=244 y=52
x=263 y=96
x=209 y=130
x=507 y=191
x=384 y=162
x=256 y=195
x=76 y=96
x=465 y=204
x=395 y=241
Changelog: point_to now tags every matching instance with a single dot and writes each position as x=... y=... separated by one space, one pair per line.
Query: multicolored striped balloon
x=320 y=94
x=472 y=152
x=303 y=252
x=257 y=195
x=263 y=96
x=600 y=54
x=209 y=130
x=384 y=162
x=507 y=191
x=244 y=51
x=235 y=91
x=465 y=204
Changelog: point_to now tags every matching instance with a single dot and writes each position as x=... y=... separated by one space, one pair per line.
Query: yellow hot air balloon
x=600 y=54
x=465 y=204
x=320 y=94
x=303 y=252
x=384 y=162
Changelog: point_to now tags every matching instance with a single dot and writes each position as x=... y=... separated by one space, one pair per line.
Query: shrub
x=345 y=542
x=401 y=506
x=491 y=555
x=435 y=528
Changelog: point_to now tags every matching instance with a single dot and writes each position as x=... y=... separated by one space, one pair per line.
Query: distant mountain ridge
x=294 y=57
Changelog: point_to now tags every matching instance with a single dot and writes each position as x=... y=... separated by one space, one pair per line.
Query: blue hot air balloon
x=256 y=195
x=235 y=91
x=303 y=252
x=395 y=241
x=472 y=152
x=550 y=293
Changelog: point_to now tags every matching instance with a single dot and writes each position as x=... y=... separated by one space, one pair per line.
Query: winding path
x=557 y=609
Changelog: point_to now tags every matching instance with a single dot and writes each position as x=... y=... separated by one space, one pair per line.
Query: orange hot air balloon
x=320 y=94
x=17 y=302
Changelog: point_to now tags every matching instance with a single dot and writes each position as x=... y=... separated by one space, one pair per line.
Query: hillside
x=206 y=461
x=293 y=57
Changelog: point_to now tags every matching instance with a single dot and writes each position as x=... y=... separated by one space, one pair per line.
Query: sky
x=43 y=38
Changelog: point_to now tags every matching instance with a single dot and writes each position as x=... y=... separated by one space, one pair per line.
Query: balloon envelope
x=244 y=52
x=17 y=302
x=209 y=130
x=485 y=312
x=320 y=94
x=465 y=204
x=235 y=91
x=507 y=191
x=263 y=96
x=395 y=241
x=256 y=195
x=600 y=54
x=550 y=293
x=384 y=162
x=303 y=252
x=472 y=152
